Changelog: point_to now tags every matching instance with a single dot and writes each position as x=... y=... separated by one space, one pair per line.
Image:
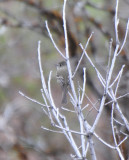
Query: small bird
x=63 y=79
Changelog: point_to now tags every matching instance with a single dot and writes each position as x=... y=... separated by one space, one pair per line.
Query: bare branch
x=125 y=38
x=54 y=44
x=31 y=99
x=116 y=22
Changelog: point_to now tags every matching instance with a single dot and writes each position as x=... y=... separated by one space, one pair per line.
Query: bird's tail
x=64 y=95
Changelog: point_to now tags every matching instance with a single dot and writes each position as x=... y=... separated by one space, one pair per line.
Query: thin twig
x=67 y=53
x=84 y=85
x=54 y=44
x=83 y=53
x=31 y=99
x=116 y=22
x=125 y=38
x=50 y=130
x=118 y=76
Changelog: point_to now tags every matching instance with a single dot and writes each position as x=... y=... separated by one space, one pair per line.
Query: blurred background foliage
x=22 y=25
